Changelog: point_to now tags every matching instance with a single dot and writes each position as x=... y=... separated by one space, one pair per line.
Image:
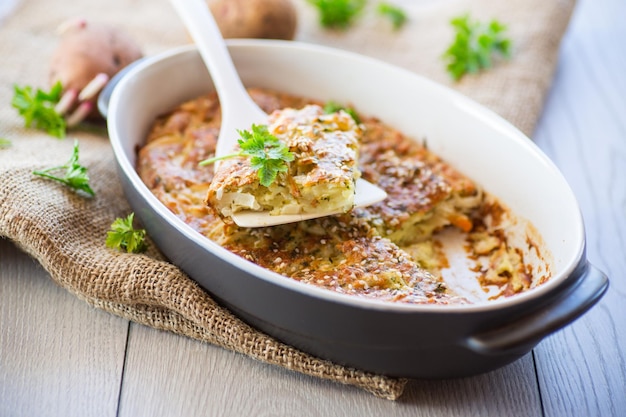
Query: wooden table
x=60 y=357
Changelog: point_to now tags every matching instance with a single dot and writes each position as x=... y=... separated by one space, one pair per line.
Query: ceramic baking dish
x=420 y=341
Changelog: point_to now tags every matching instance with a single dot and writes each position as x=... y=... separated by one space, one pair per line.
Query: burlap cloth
x=66 y=232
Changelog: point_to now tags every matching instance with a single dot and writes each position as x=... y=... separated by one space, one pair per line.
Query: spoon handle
x=239 y=111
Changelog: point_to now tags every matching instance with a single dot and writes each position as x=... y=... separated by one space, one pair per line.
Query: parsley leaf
x=124 y=237
x=4 y=143
x=268 y=155
x=334 y=107
x=394 y=13
x=338 y=14
x=37 y=108
x=474 y=45
x=75 y=175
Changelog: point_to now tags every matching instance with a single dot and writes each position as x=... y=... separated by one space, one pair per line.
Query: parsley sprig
x=394 y=13
x=338 y=14
x=4 y=143
x=37 y=108
x=74 y=175
x=268 y=155
x=334 y=107
x=474 y=46
x=123 y=236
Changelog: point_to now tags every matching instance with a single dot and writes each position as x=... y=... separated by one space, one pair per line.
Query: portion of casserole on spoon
x=303 y=161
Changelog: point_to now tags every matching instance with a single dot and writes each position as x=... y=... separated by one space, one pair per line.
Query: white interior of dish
x=473 y=139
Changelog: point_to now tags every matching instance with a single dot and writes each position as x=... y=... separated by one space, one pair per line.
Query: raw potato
x=87 y=49
x=270 y=19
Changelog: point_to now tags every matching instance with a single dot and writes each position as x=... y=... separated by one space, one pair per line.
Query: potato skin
x=269 y=19
x=87 y=49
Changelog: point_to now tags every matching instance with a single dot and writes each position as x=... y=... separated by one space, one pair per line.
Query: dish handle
x=524 y=333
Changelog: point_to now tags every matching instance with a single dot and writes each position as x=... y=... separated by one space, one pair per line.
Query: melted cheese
x=322 y=177
x=361 y=252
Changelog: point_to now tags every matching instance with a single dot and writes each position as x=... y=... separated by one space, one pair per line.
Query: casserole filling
x=395 y=250
x=320 y=178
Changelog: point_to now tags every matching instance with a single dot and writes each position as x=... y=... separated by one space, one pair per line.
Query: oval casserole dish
x=418 y=341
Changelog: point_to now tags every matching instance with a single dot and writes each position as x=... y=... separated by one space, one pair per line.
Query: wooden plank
x=58 y=356
x=171 y=375
x=582 y=369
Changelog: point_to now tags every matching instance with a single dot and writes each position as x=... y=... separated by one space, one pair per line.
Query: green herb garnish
x=394 y=13
x=334 y=107
x=124 y=237
x=4 y=143
x=338 y=14
x=37 y=108
x=474 y=46
x=75 y=175
x=268 y=155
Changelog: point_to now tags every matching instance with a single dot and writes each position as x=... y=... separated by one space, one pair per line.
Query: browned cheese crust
x=322 y=176
x=356 y=253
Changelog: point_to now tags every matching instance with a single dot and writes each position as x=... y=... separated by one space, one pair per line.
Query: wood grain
x=58 y=356
x=170 y=375
x=582 y=369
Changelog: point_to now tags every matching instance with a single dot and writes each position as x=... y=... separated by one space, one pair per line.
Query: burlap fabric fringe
x=66 y=232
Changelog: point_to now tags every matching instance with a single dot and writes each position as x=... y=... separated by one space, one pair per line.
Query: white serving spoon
x=239 y=111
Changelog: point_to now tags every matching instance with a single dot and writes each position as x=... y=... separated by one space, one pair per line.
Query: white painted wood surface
x=60 y=357
x=582 y=369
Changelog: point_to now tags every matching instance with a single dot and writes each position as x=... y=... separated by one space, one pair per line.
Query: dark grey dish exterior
x=418 y=343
